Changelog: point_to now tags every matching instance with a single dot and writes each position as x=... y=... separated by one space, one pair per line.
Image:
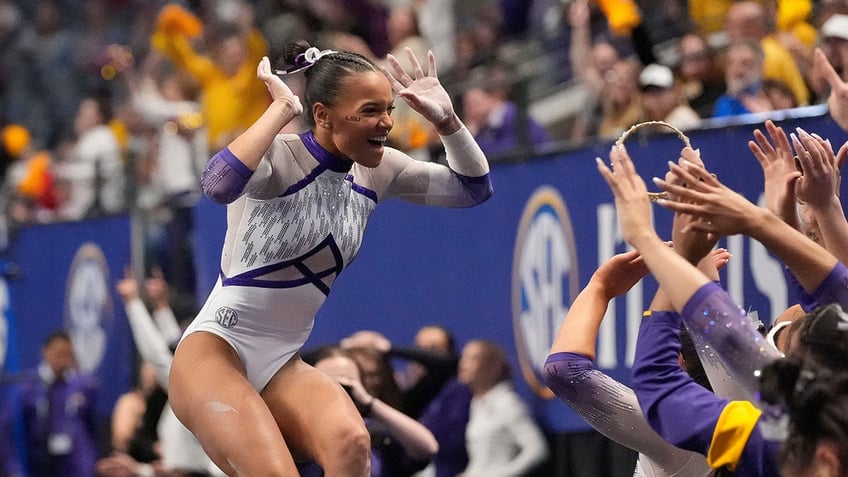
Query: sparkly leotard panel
x=296 y=222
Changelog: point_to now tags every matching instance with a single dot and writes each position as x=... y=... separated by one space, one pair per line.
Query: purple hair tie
x=305 y=60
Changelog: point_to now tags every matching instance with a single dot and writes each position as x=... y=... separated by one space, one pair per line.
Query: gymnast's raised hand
x=279 y=90
x=424 y=92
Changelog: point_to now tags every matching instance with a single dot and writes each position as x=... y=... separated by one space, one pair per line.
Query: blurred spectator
x=834 y=43
x=28 y=188
x=747 y=20
x=282 y=20
x=744 y=79
x=701 y=79
x=590 y=64
x=40 y=53
x=231 y=97
x=378 y=376
x=499 y=125
x=479 y=38
x=400 y=446
x=135 y=441
x=431 y=392
x=502 y=436
x=98 y=27
x=779 y=95
x=154 y=337
x=55 y=406
x=590 y=61
x=94 y=170
x=365 y=19
x=431 y=362
x=437 y=22
x=135 y=415
x=708 y=15
x=621 y=102
x=411 y=133
x=167 y=102
x=662 y=99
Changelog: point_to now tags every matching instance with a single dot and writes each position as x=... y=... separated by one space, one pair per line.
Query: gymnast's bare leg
x=241 y=432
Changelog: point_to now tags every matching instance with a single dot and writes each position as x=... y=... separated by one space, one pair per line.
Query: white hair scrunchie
x=305 y=60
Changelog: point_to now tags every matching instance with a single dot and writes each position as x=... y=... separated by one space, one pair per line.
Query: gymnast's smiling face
x=357 y=126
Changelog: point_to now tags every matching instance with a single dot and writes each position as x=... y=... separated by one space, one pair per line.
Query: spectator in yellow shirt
x=231 y=98
x=747 y=21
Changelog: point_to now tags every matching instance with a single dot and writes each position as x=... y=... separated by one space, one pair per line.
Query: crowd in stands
x=93 y=96
x=116 y=106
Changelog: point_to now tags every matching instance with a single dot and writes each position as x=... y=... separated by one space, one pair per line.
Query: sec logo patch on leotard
x=226 y=317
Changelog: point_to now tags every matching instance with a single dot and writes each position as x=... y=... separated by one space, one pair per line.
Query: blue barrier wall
x=67 y=280
x=506 y=270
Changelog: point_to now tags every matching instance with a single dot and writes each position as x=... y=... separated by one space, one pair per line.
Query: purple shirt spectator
x=57 y=416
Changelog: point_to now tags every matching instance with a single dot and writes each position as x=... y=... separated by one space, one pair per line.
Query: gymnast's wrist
x=367 y=406
x=450 y=125
x=286 y=107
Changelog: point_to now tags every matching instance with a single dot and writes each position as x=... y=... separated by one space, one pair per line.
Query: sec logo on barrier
x=88 y=305
x=545 y=279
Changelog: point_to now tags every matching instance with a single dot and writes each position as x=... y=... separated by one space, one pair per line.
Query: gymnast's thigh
x=209 y=393
x=313 y=411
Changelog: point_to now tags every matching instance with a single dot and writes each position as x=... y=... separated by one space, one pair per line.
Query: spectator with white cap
x=834 y=39
x=663 y=101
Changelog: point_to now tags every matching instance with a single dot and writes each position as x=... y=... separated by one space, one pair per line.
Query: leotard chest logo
x=226 y=317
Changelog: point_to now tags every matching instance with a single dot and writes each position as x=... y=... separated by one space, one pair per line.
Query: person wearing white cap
x=834 y=36
x=663 y=101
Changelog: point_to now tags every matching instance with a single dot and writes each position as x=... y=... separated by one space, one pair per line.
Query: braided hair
x=326 y=77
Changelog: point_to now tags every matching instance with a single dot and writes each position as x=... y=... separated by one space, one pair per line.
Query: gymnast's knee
x=353 y=449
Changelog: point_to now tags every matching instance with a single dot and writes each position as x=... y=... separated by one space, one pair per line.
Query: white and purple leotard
x=296 y=221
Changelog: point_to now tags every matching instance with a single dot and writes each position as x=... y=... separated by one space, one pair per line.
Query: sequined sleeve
x=717 y=322
x=611 y=408
x=688 y=415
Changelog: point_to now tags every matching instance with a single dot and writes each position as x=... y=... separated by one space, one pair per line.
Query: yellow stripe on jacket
x=731 y=434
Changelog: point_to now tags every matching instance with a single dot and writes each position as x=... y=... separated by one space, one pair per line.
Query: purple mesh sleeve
x=478 y=188
x=834 y=288
x=224 y=177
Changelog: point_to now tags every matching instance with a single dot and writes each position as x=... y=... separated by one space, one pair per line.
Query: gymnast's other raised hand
x=631 y=196
x=424 y=93
x=716 y=208
x=779 y=169
x=279 y=90
x=692 y=245
x=823 y=217
x=837 y=102
x=819 y=183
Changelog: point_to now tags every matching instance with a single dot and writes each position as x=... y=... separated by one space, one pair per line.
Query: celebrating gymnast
x=297 y=207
